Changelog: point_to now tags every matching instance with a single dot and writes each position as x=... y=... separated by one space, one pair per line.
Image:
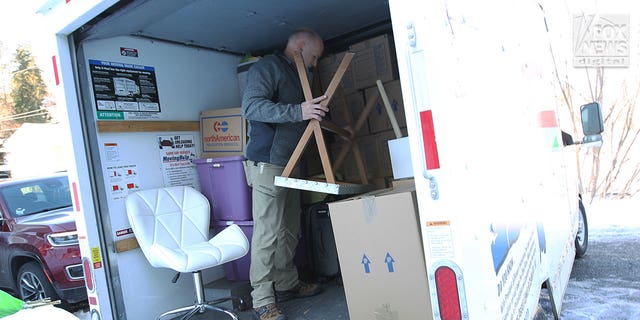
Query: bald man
x=274 y=105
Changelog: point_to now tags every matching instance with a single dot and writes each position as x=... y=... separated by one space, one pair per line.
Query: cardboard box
x=373 y=60
x=334 y=148
x=378 y=117
x=379 y=183
x=327 y=67
x=310 y=162
x=223 y=133
x=381 y=257
x=384 y=158
x=369 y=151
x=353 y=104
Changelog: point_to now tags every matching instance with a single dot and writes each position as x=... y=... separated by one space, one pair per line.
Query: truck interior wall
x=189 y=80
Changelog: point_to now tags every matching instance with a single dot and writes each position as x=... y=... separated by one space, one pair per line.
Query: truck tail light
x=55 y=69
x=447 y=290
x=432 y=161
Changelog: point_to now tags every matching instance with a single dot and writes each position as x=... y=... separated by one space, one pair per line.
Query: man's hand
x=313 y=109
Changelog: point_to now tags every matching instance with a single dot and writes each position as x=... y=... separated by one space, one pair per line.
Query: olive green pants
x=276 y=225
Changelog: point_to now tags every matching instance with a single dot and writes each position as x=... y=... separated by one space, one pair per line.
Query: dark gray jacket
x=271 y=104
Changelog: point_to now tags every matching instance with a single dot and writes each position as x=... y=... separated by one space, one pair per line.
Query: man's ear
x=300 y=44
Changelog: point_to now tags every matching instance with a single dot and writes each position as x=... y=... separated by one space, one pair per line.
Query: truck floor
x=328 y=305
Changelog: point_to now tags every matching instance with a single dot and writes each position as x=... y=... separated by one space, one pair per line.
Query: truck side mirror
x=592 y=124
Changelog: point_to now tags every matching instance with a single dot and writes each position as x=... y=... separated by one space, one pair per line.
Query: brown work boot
x=301 y=290
x=269 y=312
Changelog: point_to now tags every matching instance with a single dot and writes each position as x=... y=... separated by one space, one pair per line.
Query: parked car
x=39 y=252
x=5 y=172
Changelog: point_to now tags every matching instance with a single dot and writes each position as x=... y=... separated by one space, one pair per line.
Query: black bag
x=321 y=245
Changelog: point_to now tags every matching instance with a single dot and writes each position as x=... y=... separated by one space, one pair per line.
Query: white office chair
x=172 y=227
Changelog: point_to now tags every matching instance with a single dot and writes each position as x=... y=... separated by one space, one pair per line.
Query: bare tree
x=611 y=169
x=622 y=174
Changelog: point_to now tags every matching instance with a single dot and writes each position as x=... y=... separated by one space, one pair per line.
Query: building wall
x=37 y=149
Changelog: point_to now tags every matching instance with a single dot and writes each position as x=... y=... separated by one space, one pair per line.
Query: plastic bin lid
x=220 y=159
x=241 y=223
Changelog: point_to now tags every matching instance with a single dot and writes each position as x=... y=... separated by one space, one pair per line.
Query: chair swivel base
x=201 y=308
x=201 y=305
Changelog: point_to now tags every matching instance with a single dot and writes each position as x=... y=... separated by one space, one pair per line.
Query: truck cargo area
x=204 y=41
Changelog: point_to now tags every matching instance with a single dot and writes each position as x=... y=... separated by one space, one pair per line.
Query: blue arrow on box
x=365 y=263
x=389 y=261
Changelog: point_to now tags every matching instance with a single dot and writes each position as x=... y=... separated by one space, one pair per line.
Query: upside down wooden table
x=330 y=185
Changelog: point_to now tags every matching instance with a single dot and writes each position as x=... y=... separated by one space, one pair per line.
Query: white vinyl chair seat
x=226 y=246
x=171 y=226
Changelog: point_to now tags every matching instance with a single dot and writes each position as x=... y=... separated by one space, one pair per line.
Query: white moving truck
x=500 y=212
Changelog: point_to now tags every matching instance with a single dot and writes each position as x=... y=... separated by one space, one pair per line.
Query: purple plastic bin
x=237 y=270
x=223 y=182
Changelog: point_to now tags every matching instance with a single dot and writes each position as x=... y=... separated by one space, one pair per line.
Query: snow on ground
x=608 y=296
x=601 y=299
x=613 y=220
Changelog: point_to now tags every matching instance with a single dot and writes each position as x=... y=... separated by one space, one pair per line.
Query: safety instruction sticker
x=96 y=258
x=440 y=239
x=124 y=87
x=122 y=180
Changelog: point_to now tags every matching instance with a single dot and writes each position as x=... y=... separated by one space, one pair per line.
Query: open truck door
x=500 y=207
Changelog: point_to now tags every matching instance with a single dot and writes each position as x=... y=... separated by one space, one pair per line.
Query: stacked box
x=378 y=117
x=327 y=67
x=223 y=133
x=353 y=105
x=373 y=61
x=368 y=149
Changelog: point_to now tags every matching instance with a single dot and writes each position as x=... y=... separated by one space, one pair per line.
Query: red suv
x=39 y=252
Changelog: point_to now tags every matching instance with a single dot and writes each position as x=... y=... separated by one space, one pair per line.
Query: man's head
x=309 y=43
